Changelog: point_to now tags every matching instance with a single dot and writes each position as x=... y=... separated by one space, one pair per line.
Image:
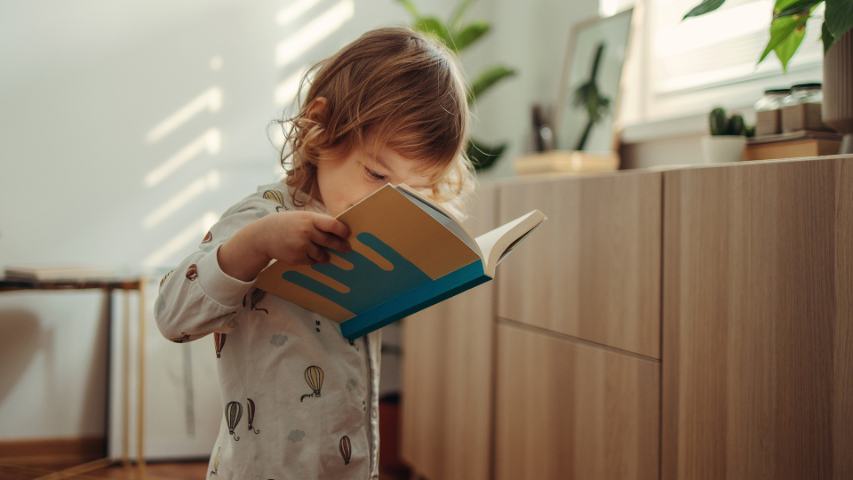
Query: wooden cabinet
x=592 y=270
x=758 y=325
x=687 y=324
x=570 y=410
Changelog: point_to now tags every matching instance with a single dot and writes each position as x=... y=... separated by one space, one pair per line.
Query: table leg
x=140 y=411
x=125 y=378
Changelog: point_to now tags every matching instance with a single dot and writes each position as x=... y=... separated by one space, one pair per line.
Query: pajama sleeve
x=197 y=298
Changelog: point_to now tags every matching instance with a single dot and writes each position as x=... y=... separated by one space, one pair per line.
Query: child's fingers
x=329 y=241
x=331 y=225
x=316 y=254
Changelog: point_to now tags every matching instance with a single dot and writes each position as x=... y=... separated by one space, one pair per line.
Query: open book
x=407 y=254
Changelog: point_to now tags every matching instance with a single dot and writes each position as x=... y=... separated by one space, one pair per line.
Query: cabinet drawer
x=592 y=270
x=567 y=410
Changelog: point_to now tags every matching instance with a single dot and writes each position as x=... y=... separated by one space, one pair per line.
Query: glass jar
x=768 y=120
x=804 y=93
x=801 y=110
x=772 y=99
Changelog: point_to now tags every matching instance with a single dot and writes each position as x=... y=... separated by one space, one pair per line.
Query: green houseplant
x=721 y=124
x=458 y=36
x=727 y=137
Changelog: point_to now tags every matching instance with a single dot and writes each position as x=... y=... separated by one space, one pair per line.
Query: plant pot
x=723 y=148
x=838 y=89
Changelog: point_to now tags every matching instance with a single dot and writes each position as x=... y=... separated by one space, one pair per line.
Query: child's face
x=345 y=180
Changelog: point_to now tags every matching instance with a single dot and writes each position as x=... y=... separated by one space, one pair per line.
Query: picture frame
x=591 y=84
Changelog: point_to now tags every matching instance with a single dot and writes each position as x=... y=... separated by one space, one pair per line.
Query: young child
x=299 y=401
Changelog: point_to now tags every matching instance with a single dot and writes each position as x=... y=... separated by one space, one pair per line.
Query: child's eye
x=374 y=175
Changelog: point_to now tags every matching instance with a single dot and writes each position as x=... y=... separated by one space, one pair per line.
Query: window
x=682 y=68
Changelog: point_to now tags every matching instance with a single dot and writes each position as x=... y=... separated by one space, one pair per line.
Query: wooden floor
x=22 y=470
x=25 y=470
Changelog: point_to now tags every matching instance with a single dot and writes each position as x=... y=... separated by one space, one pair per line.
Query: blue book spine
x=415 y=300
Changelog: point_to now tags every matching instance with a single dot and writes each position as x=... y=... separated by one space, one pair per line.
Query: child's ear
x=317 y=108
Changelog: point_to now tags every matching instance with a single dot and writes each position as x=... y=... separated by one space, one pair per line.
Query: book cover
x=407 y=254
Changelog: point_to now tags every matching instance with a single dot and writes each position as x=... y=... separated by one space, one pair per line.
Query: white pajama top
x=299 y=401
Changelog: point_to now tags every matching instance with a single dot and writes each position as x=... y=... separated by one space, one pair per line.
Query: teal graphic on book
x=408 y=253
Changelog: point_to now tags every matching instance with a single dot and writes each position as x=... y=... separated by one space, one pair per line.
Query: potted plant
x=457 y=37
x=787 y=30
x=727 y=137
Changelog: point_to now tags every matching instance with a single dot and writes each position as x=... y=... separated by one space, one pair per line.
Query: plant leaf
x=487 y=79
x=433 y=26
x=788 y=47
x=456 y=16
x=484 y=156
x=703 y=8
x=826 y=37
x=410 y=7
x=784 y=8
x=781 y=5
x=780 y=30
x=470 y=34
x=839 y=17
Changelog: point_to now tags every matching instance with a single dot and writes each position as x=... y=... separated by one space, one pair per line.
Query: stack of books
x=36 y=273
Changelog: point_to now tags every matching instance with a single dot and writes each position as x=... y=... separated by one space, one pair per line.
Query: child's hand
x=301 y=237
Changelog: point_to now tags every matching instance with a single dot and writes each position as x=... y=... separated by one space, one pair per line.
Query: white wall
x=531 y=37
x=126 y=128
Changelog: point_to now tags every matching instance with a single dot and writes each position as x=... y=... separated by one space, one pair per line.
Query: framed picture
x=590 y=85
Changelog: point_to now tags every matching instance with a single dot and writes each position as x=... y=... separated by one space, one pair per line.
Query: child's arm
x=206 y=290
x=197 y=297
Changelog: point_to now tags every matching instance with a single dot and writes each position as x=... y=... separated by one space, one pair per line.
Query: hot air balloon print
x=275 y=196
x=233 y=412
x=255 y=298
x=183 y=338
x=207 y=237
x=165 y=277
x=219 y=342
x=314 y=378
x=250 y=408
x=192 y=272
x=346 y=449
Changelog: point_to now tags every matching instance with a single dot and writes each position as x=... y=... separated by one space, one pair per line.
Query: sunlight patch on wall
x=193 y=234
x=286 y=91
x=209 y=182
x=210 y=100
x=210 y=141
x=313 y=32
x=216 y=64
x=294 y=11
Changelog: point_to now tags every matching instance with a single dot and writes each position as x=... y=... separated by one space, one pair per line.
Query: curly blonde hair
x=392 y=87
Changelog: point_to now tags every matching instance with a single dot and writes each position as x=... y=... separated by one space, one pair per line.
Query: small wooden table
x=107 y=285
